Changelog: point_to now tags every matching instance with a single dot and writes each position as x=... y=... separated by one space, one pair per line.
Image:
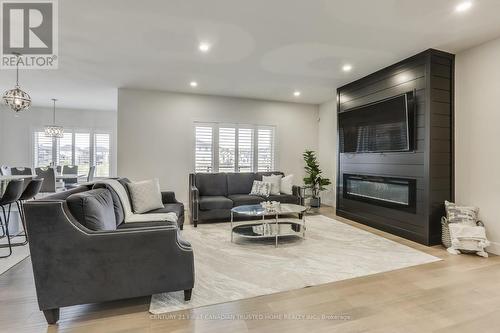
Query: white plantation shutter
x=101 y=154
x=265 y=149
x=227 y=149
x=233 y=148
x=82 y=152
x=204 y=159
x=42 y=149
x=245 y=149
x=65 y=149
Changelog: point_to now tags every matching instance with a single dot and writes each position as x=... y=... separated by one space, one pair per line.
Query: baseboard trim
x=494 y=248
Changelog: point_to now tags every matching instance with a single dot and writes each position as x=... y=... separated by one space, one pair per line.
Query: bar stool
x=12 y=193
x=29 y=193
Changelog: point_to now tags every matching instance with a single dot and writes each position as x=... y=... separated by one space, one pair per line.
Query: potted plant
x=314 y=181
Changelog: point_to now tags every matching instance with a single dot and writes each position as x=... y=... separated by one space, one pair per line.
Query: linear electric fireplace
x=397 y=193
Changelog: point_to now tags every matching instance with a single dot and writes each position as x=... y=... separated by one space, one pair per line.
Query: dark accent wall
x=431 y=75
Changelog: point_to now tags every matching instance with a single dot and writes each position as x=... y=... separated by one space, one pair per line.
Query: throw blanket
x=462 y=232
x=130 y=216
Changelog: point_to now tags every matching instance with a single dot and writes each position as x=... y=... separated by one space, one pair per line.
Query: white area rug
x=19 y=253
x=332 y=251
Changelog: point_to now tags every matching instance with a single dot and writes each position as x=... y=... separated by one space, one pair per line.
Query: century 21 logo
x=28 y=27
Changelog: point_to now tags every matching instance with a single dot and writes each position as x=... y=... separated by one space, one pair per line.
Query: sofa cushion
x=245 y=199
x=176 y=208
x=285 y=198
x=215 y=202
x=240 y=183
x=93 y=209
x=117 y=204
x=213 y=184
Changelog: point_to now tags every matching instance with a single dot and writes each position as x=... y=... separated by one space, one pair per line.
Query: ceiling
x=263 y=49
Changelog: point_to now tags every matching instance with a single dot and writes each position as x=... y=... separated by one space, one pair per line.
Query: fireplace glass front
x=398 y=193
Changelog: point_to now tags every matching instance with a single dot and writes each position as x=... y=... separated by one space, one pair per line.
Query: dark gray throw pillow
x=93 y=209
x=117 y=204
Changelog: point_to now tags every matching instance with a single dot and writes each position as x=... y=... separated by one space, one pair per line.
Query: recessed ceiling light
x=464 y=6
x=296 y=93
x=193 y=84
x=204 y=47
x=346 y=67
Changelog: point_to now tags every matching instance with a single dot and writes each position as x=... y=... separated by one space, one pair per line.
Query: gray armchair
x=75 y=265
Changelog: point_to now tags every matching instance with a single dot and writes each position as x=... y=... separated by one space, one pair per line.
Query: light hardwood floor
x=457 y=294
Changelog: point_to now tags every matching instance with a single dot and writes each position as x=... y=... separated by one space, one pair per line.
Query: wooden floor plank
x=457 y=294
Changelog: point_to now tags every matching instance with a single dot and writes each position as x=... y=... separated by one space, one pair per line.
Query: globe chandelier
x=17 y=99
x=54 y=131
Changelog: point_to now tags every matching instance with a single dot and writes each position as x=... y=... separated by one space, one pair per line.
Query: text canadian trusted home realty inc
x=29 y=34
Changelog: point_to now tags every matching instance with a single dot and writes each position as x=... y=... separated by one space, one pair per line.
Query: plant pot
x=315 y=202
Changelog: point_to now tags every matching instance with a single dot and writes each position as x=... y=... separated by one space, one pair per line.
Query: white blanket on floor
x=130 y=216
x=463 y=231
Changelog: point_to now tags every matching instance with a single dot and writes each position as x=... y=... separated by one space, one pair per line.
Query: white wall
x=16 y=132
x=477 y=134
x=327 y=147
x=156 y=137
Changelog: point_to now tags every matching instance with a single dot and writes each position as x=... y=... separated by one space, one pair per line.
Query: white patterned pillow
x=145 y=195
x=275 y=181
x=287 y=184
x=461 y=214
x=260 y=188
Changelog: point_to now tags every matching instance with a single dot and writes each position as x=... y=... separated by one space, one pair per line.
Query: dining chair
x=90 y=176
x=20 y=171
x=49 y=179
x=70 y=170
x=4 y=170
x=12 y=193
x=29 y=193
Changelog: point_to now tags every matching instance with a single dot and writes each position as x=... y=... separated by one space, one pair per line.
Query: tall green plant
x=314 y=180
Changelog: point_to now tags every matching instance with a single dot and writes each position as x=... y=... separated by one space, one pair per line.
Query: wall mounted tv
x=383 y=126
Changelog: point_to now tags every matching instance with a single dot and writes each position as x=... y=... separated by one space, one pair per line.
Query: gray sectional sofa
x=82 y=251
x=212 y=195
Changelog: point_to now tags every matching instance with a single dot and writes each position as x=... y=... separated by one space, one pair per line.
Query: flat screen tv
x=383 y=126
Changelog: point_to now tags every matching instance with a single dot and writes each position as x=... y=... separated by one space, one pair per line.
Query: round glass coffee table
x=270 y=228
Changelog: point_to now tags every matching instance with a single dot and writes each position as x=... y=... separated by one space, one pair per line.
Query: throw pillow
x=93 y=209
x=260 y=188
x=287 y=184
x=461 y=214
x=145 y=195
x=275 y=181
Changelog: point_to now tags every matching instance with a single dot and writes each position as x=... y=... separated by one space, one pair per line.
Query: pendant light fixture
x=17 y=99
x=54 y=131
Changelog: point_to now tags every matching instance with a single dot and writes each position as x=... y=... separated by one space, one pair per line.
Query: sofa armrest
x=296 y=191
x=194 y=195
x=168 y=197
x=104 y=265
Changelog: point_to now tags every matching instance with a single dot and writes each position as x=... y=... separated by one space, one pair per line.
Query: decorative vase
x=315 y=202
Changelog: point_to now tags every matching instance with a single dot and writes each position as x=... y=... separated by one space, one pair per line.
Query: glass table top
x=258 y=210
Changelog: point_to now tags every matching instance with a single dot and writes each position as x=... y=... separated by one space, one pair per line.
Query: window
x=101 y=155
x=65 y=149
x=43 y=149
x=204 y=149
x=245 y=149
x=82 y=152
x=233 y=148
x=265 y=150
x=81 y=148
x=227 y=149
